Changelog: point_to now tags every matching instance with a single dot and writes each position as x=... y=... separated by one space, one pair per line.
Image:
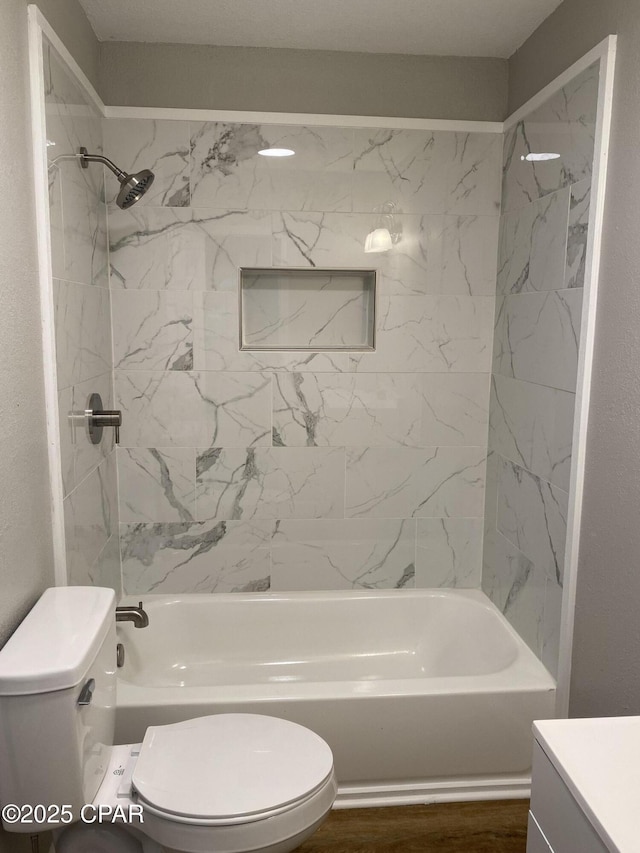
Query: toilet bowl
x=229 y=783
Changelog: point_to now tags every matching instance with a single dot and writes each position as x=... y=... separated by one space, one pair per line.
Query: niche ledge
x=309 y=309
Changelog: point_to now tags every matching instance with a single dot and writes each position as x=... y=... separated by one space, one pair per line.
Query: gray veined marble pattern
x=217 y=343
x=578 y=234
x=227 y=170
x=430 y=334
x=449 y=553
x=193 y=409
x=454 y=409
x=537 y=337
x=221 y=556
x=427 y=172
x=155 y=249
x=79 y=457
x=565 y=124
x=156 y=484
x=435 y=254
x=90 y=517
x=533 y=426
x=338 y=410
x=83 y=331
x=162 y=146
x=274 y=483
x=403 y=482
x=533 y=246
x=343 y=554
x=516 y=586
x=532 y=515
x=380 y=410
x=152 y=330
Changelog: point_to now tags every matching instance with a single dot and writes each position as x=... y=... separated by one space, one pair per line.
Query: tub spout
x=133 y=614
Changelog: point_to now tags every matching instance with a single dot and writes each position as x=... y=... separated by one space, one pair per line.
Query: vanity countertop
x=599 y=761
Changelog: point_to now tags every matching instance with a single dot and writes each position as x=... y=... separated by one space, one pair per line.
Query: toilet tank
x=53 y=750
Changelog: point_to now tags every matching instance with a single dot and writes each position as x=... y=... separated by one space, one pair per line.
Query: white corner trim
x=47 y=310
x=305 y=119
x=607 y=57
x=600 y=51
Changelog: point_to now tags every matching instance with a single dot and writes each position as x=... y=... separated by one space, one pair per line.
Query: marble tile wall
x=84 y=360
x=541 y=268
x=244 y=470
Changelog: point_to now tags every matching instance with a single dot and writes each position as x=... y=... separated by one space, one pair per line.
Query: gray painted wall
x=606 y=677
x=306 y=81
x=25 y=534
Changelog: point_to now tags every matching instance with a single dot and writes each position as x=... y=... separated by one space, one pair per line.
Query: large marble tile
x=403 y=482
x=162 y=146
x=152 y=330
x=449 y=553
x=343 y=554
x=229 y=240
x=533 y=246
x=217 y=343
x=578 y=234
x=454 y=409
x=276 y=483
x=325 y=409
x=106 y=570
x=220 y=556
x=427 y=172
x=83 y=331
x=78 y=455
x=537 y=337
x=468 y=255
x=430 y=334
x=516 y=586
x=434 y=254
x=227 y=170
x=155 y=249
x=565 y=125
x=90 y=517
x=532 y=515
x=156 y=484
x=84 y=224
x=193 y=409
x=533 y=426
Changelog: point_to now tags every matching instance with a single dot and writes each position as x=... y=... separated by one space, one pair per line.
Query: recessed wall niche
x=307 y=309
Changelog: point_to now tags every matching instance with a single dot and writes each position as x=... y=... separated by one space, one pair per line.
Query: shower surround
x=430 y=462
x=244 y=471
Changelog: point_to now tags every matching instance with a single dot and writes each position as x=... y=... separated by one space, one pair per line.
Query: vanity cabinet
x=585 y=786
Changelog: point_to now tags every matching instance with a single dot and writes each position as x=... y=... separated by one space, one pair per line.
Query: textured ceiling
x=436 y=27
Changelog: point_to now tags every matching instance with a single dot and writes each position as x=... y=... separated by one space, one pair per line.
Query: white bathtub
x=422 y=695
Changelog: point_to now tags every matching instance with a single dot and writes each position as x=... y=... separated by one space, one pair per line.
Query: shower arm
x=86 y=158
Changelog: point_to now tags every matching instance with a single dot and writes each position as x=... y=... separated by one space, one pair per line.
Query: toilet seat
x=229 y=769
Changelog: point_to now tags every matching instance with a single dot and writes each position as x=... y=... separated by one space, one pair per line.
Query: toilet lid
x=229 y=766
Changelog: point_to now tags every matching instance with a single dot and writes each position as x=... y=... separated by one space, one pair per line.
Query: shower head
x=132 y=187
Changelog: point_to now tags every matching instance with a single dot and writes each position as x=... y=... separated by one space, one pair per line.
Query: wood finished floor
x=494 y=827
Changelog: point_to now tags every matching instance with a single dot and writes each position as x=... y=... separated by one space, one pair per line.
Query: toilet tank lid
x=57 y=641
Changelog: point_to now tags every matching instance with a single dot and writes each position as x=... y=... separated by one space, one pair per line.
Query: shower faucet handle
x=99 y=418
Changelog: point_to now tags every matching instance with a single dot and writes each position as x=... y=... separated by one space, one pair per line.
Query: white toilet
x=229 y=783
